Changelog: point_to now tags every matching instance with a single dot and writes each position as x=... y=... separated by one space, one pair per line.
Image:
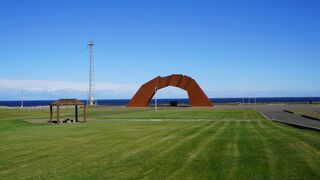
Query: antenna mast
x=91 y=100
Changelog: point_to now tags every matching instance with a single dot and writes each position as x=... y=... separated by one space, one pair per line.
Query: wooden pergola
x=68 y=102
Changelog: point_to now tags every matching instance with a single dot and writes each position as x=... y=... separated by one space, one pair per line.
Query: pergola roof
x=62 y=102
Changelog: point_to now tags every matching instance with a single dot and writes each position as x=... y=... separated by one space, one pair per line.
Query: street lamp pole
x=155 y=100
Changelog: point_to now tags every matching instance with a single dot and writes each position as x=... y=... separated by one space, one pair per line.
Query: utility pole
x=22 y=97
x=91 y=99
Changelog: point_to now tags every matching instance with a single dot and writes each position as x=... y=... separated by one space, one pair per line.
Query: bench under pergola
x=67 y=102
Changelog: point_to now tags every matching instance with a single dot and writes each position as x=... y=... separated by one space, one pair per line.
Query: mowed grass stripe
x=127 y=153
x=308 y=136
x=114 y=151
x=307 y=152
x=224 y=152
x=180 y=152
x=118 y=154
x=232 y=151
x=258 y=127
x=209 y=162
x=164 y=139
x=198 y=152
x=213 y=114
x=34 y=146
x=218 y=144
x=253 y=158
x=284 y=154
x=221 y=155
x=103 y=165
x=154 y=152
x=60 y=149
x=262 y=153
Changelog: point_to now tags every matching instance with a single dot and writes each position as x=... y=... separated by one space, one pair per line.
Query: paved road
x=276 y=113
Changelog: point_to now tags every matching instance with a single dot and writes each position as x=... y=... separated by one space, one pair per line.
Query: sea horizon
x=163 y=101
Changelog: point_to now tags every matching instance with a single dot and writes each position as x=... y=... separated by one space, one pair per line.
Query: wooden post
x=58 y=114
x=84 y=114
x=50 y=114
x=76 y=113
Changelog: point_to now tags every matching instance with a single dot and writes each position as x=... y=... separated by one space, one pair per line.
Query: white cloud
x=41 y=89
x=49 y=86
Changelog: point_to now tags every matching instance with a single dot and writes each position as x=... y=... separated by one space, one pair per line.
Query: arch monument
x=197 y=97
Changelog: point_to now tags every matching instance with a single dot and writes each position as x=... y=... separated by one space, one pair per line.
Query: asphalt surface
x=276 y=113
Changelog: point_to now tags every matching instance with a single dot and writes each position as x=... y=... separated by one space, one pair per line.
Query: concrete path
x=276 y=113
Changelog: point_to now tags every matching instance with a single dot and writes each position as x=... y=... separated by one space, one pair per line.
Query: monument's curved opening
x=170 y=96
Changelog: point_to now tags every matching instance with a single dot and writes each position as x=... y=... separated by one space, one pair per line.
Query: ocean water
x=123 y=102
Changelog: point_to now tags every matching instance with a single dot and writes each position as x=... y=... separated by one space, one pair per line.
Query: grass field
x=121 y=143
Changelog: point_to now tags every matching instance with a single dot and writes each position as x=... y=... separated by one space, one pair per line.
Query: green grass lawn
x=174 y=143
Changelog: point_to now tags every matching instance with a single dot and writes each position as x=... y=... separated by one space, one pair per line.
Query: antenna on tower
x=91 y=99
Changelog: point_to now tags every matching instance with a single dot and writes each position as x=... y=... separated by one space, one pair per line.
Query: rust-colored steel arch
x=197 y=97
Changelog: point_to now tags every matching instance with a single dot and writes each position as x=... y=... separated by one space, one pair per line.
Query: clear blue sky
x=232 y=46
